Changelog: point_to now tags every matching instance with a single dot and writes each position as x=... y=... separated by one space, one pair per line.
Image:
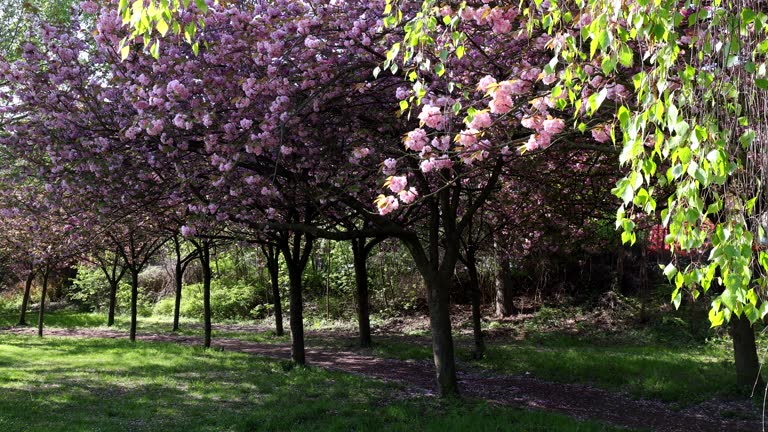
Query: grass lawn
x=63 y=384
x=683 y=373
x=675 y=370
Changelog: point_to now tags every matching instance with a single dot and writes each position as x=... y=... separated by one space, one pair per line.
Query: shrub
x=228 y=301
x=164 y=306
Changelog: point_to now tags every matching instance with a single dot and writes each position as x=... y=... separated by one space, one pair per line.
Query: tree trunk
x=437 y=265
x=438 y=293
x=25 y=300
x=645 y=289
x=360 y=256
x=134 y=301
x=618 y=283
x=179 y=284
x=205 y=263
x=504 y=304
x=296 y=249
x=113 y=284
x=273 y=266
x=42 y=303
x=297 y=314
x=745 y=353
x=476 y=316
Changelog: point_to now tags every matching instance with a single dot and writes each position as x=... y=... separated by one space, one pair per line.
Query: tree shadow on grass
x=111 y=385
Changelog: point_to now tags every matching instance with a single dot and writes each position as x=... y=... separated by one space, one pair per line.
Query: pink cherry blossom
x=89 y=7
x=531 y=74
x=408 y=196
x=427 y=165
x=532 y=122
x=486 y=83
x=601 y=134
x=442 y=143
x=416 y=139
x=431 y=116
x=468 y=137
x=554 y=126
x=481 y=120
x=188 y=231
x=389 y=166
x=397 y=183
x=387 y=204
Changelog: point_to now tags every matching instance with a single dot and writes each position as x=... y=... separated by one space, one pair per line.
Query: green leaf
x=761 y=83
x=670 y=271
x=155 y=50
x=716 y=318
x=751 y=312
x=162 y=27
x=124 y=52
x=626 y=56
x=729 y=299
x=439 y=69
x=677 y=299
x=460 y=51
x=747 y=138
x=403 y=105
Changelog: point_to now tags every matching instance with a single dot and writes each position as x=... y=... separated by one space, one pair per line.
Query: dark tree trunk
x=205 y=263
x=178 y=275
x=296 y=251
x=745 y=353
x=475 y=294
x=437 y=264
x=297 y=315
x=113 y=284
x=178 y=285
x=440 y=324
x=42 y=303
x=114 y=273
x=645 y=289
x=25 y=300
x=360 y=256
x=618 y=283
x=134 y=300
x=504 y=304
x=273 y=266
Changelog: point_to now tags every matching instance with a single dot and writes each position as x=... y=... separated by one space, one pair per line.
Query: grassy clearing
x=666 y=361
x=683 y=376
x=153 y=324
x=60 y=384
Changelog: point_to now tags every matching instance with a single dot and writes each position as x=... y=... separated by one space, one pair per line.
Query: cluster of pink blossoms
x=545 y=128
x=499 y=19
x=398 y=185
x=432 y=116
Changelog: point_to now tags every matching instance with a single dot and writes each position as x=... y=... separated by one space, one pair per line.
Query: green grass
x=648 y=362
x=61 y=384
x=683 y=374
x=153 y=324
x=673 y=374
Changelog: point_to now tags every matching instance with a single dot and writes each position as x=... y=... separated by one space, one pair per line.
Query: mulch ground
x=579 y=401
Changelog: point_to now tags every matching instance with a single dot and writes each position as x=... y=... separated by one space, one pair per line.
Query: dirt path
x=580 y=401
